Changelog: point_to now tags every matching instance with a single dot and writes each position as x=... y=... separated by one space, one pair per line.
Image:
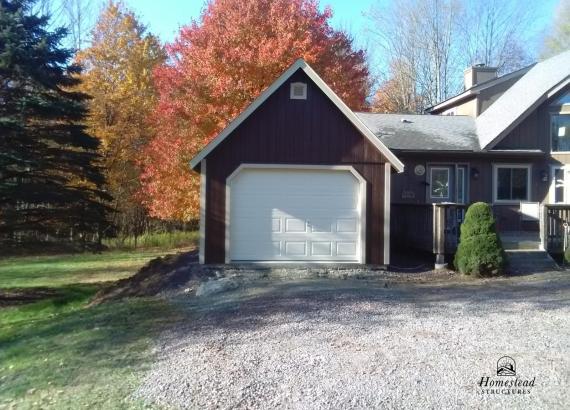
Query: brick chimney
x=477 y=74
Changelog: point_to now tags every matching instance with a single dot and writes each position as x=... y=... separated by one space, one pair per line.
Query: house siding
x=533 y=133
x=408 y=185
x=285 y=131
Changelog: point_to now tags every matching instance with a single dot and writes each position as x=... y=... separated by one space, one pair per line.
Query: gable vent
x=298 y=91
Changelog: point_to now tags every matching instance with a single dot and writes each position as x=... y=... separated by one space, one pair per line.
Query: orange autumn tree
x=118 y=76
x=217 y=66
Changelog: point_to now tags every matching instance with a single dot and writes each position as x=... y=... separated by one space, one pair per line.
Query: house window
x=511 y=183
x=439 y=182
x=564 y=100
x=560 y=132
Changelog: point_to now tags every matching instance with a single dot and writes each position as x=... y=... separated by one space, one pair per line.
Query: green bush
x=480 y=250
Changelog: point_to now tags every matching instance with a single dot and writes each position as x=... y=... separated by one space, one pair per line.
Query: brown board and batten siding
x=533 y=133
x=286 y=131
x=408 y=188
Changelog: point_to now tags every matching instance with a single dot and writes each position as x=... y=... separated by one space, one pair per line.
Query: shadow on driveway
x=250 y=306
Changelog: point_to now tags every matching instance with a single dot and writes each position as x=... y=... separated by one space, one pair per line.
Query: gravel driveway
x=321 y=344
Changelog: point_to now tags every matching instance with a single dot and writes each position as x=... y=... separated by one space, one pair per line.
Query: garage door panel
x=321 y=248
x=260 y=249
x=321 y=225
x=347 y=225
x=295 y=248
x=294 y=204
x=295 y=225
x=322 y=182
x=346 y=248
x=295 y=216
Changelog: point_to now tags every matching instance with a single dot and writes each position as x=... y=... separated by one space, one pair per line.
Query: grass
x=56 y=353
x=60 y=270
x=165 y=240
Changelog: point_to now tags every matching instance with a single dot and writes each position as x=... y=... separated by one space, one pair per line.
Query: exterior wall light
x=474 y=173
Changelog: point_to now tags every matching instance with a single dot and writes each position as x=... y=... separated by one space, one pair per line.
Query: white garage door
x=295 y=215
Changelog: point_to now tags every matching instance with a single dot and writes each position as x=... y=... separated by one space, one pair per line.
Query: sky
x=165 y=17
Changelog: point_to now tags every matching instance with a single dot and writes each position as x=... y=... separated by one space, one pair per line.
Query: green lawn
x=60 y=270
x=56 y=353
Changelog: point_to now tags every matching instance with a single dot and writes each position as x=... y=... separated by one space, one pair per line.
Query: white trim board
x=552 y=185
x=349 y=114
x=202 y=246
x=387 y=190
x=301 y=167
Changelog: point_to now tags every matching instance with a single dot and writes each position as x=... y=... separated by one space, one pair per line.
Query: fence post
x=439 y=236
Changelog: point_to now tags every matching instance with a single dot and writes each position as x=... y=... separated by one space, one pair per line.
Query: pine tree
x=49 y=166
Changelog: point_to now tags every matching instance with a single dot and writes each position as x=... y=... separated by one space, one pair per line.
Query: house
x=299 y=177
x=504 y=141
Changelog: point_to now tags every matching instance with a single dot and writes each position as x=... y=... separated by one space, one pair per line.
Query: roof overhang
x=464 y=96
x=348 y=113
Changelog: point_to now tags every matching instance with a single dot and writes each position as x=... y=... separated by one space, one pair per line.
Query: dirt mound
x=158 y=275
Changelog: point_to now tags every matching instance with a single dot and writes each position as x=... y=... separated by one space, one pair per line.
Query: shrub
x=480 y=250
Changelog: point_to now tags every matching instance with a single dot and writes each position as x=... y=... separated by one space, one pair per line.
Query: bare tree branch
x=428 y=44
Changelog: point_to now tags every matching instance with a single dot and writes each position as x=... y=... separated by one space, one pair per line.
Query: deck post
x=543 y=226
x=439 y=236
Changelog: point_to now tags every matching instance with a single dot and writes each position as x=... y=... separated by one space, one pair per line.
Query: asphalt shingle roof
x=522 y=97
x=423 y=132
x=463 y=133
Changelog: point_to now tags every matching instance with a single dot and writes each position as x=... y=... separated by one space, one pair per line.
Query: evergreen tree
x=49 y=166
x=480 y=251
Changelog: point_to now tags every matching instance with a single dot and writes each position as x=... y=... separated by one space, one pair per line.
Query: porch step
x=520 y=240
x=530 y=261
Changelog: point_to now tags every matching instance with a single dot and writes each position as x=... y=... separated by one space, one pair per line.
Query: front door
x=447 y=183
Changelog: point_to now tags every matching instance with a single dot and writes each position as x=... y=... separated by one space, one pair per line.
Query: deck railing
x=554 y=223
